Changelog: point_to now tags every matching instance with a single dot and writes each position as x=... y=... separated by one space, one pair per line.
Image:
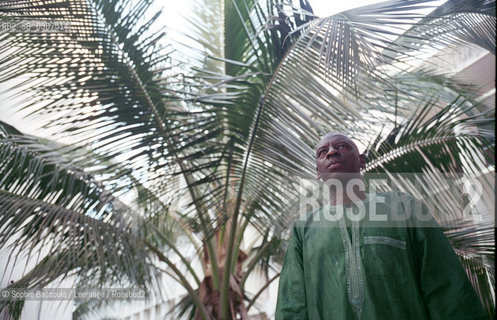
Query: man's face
x=336 y=154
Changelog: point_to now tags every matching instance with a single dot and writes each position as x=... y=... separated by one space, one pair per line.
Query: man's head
x=337 y=156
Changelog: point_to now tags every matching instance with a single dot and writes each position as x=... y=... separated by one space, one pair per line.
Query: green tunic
x=334 y=270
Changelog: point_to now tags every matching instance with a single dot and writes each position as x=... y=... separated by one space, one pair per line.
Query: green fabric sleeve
x=291 y=303
x=444 y=285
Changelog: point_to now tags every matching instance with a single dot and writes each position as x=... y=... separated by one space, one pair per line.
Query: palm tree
x=211 y=149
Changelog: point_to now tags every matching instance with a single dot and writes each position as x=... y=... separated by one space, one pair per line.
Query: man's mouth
x=333 y=165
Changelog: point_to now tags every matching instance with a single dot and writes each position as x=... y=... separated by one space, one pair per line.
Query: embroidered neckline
x=353 y=204
x=353 y=265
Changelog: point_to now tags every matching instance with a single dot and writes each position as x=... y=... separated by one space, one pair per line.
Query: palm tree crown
x=148 y=147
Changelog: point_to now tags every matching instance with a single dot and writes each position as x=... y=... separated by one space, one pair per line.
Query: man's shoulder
x=397 y=198
x=306 y=220
x=395 y=194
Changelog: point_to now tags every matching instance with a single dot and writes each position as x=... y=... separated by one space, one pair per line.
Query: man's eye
x=321 y=153
x=341 y=146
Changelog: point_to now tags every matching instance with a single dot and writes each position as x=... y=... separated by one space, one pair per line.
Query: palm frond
x=103 y=90
x=64 y=220
x=451 y=151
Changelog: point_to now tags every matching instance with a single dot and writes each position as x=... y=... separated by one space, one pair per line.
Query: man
x=338 y=267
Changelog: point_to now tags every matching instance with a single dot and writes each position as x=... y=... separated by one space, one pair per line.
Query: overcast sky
x=324 y=8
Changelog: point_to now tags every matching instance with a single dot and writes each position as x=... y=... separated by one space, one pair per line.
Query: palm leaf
x=439 y=146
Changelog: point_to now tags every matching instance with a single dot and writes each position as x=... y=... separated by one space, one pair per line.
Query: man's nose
x=331 y=151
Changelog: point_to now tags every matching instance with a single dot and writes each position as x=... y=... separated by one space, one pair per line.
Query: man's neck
x=345 y=196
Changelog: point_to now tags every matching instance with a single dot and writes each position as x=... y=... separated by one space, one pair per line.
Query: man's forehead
x=335 y=136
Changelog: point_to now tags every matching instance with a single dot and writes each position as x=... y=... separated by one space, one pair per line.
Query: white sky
x=324 y=8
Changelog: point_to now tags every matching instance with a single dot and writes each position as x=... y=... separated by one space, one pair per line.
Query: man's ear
x=363 y=161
